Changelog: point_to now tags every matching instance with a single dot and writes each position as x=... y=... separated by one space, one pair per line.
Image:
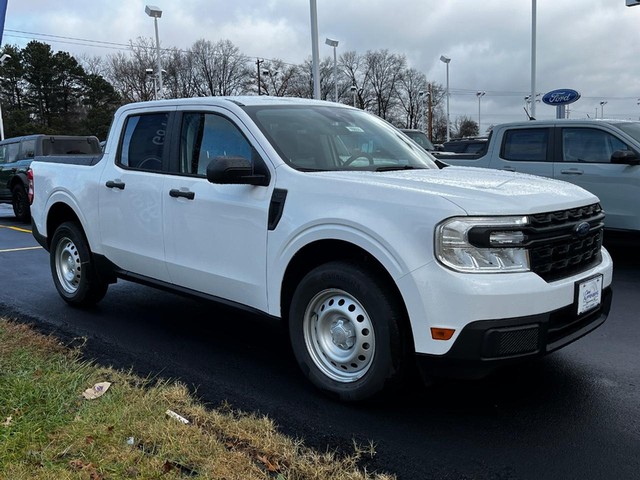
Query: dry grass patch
x=47 y=430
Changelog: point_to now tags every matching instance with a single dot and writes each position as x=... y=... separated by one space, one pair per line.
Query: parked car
x=420 y=138
x=330 y=219
x=469 y=145
x=16 y=155
x=602 y=156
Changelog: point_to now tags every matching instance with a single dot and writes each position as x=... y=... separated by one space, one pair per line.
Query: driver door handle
x=115 y=184
x=175 y=193
x=572 y=171
x=509 y=169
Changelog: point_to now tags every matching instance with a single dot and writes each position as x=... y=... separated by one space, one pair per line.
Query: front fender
x=360 y=237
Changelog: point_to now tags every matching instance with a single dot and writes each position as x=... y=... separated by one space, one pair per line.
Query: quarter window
x=589 y=145
x=28 y=149
x=526 y=145
x=143 y=142
x=9 y=152
x=206 y=137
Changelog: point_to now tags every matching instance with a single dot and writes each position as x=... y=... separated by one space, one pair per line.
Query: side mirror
x=625 y=157
x=234 y=170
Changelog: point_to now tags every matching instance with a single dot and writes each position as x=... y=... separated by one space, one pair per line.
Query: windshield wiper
x=396 y=167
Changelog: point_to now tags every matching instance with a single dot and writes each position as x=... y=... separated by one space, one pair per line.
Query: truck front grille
x=560 y=245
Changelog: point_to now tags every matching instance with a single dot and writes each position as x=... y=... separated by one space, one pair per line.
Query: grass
x=48 y=431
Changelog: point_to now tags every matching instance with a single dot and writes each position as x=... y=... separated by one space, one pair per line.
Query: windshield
x=322 y=138
x=630 y=128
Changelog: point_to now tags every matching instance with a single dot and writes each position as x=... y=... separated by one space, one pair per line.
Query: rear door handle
x=175 y=193
x=572 y=171
x=509 y=169
x=115 y=184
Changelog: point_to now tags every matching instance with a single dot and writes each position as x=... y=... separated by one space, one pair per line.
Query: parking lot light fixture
x=156 y=13
x=602 y=104
x=334 y=44
x=446 y=60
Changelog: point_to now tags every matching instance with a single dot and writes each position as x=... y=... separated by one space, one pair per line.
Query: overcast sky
x=592 y=46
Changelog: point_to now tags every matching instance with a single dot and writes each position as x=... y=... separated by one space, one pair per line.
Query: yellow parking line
x=17 y=229
x=6 y=250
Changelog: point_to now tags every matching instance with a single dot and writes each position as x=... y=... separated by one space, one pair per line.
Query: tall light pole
x=334 y=44
x=479 y=95
x=149 y=72
x=602 y=104
x=446 y=60
x=156 y=13
x=3 y=59
x=422 y=95
x=315 y=53
x=354 y=90
x=533 y=58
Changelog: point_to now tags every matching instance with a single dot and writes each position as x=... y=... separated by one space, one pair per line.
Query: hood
x=479 y=191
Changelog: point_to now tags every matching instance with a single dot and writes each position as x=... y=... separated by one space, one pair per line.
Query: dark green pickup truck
x=16 y=154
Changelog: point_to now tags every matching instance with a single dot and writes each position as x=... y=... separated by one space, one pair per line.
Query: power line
x=111 y=45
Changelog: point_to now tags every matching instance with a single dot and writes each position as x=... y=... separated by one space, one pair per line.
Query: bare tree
x=384 y=71
x=220 y=68
x=279 y=78
x=465 y=127
x=180 y=80
x=355 y=71
x=413 y=105
x=128 y=72
x=93 y=64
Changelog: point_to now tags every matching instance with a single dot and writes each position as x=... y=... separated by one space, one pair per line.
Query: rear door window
x=526 y=144
x=143 y=142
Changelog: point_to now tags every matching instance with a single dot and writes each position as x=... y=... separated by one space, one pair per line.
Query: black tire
x=20 y=201
x=72 y=267
x=346 y=331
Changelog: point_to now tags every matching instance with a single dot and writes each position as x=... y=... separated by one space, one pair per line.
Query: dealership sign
x=559 y=97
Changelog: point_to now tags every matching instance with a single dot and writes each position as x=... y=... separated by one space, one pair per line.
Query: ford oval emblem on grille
x=582 y=229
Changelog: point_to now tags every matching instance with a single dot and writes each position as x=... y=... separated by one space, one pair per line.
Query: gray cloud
x=590 y=46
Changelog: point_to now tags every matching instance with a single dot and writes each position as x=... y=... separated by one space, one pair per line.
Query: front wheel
x=346 y=331
x=74 y=273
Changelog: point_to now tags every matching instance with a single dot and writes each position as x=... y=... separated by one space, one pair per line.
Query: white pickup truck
x=602 y=156
x=325 y=216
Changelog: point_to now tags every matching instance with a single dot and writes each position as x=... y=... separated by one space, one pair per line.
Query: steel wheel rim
x=339 y=335
x=68 y=265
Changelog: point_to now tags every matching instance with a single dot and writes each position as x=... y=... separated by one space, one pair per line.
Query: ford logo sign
x=563 y=96
x=582 y=229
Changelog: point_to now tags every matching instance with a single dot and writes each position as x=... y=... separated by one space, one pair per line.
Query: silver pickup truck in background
x=602 y=156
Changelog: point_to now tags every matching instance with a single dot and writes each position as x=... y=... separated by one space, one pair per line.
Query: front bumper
x=485 y=345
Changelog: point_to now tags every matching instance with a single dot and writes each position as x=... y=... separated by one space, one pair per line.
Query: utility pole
x=258 y=63
x=430 y=113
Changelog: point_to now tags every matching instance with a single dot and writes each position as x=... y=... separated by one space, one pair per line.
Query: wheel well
x=58 y=214
x=323 y=251
x=16 y=180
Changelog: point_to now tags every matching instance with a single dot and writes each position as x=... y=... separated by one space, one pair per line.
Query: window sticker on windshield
x=355 y=129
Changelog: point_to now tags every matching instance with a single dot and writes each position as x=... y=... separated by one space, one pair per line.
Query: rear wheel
x=73 y=269
x=20 y=202
x=345 y=330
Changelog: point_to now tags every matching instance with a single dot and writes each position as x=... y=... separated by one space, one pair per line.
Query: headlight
x=483 y=244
